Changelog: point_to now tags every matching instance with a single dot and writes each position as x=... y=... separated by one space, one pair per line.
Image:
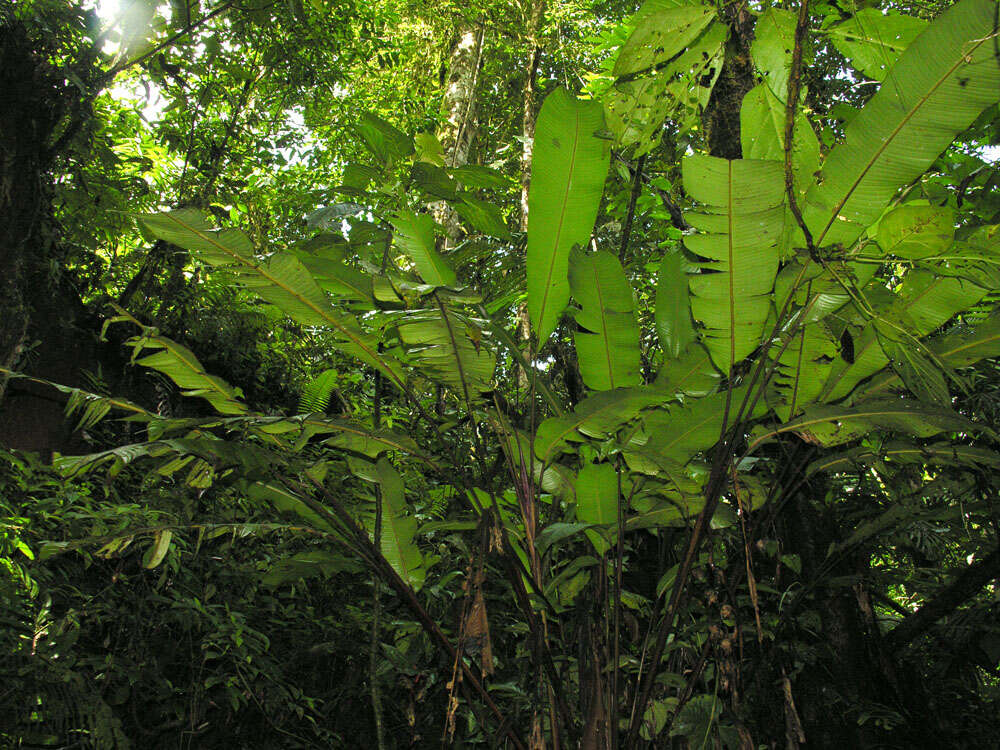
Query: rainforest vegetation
x=571 y=374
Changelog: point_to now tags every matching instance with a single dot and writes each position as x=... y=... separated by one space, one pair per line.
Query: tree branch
x=966 y=585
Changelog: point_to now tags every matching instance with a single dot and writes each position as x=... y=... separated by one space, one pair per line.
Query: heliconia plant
x=806 y=301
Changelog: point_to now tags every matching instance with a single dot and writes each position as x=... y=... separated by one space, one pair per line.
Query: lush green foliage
x=703 y=458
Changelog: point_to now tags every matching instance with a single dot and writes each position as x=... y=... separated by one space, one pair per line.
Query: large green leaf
x=399 y=530
x=762 y=135
x=415 y=237
x=939 y=454
x=607 y=343
x=282 y=281
x=836 y=425
x=661 y=35
x=914 y=231
x=597 y=500
x=636 y=107
x=923 y=303
x=383 y=139
x=180 y=365
x=873 y=40
x=943 y=81
x=597 y=416
x=958 y=348
x=679 y=433
x=740 y=232
x=449 y=348
x=771 y=49
x=673 y=306
x=568 y=168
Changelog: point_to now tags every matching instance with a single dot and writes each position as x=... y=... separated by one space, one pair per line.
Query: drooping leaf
x=282 y=281
x=597 y=416
x=568 y=169
x=597 y=500
x=415 y=236
x=180 y=365
x=158 y=550
x=607 y=343
x=449 y=348
x=384 y=140
x=684 y=430
x=285 y=501
x=398 y=528
x=939 y=454
x=941 y=83
x=922 y=304
x=673 y=306
x=690 y=375
x=483 y=216
x=873 y=40
x=835 y=425
x=740 y=232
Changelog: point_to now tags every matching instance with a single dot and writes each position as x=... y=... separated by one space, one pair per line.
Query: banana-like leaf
x=943 y=81
x=873 y=40
x=923 y=303
x=568 y=168
x=691 y=375
x=673 y=306
x=608 y=343
x=399 y=530
x=286 y=501
x=415 y=236
x=958 y=348
x=597 y=416
x=740 y=232
x=449 y=348
x=687 y=429
x=282 y=281
x=836 y=425
x=597 y=501
x=938 y=454
x=180 y=365
x=795 y=379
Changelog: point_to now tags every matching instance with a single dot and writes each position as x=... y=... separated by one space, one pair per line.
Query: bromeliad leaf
x=568 y=170
x=740 y=232
x=608 y=343
x=943 y=81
